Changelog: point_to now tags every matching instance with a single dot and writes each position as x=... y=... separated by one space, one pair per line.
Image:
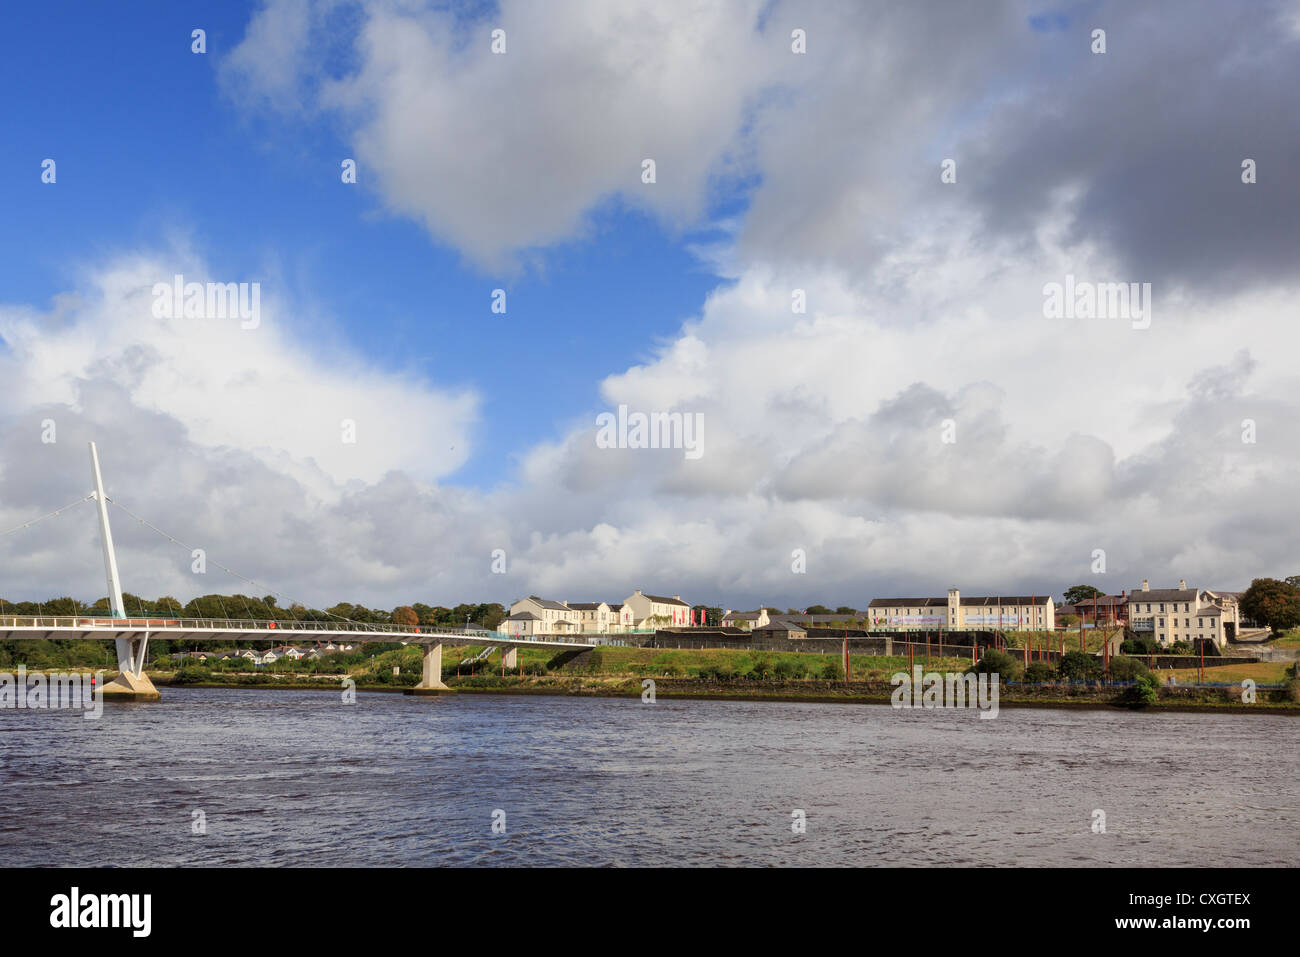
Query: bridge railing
x=268 y=627
x=90 y=623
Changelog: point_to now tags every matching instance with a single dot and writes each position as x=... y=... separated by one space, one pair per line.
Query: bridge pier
x=431 y=677
x=131 y=684
x=510 y=659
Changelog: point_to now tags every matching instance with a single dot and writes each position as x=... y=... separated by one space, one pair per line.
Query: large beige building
x=540 y=616
x=1183 y=614
x=1005 y=612
x=652 y=611
x=593 y=617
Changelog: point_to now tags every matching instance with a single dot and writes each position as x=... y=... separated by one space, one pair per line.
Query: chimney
x=677 y=597
x=1145 y=585
x=1182 y=584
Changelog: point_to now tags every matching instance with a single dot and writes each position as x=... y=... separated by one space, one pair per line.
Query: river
x=300 y=778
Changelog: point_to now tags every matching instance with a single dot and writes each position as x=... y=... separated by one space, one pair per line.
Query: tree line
x=246 y=607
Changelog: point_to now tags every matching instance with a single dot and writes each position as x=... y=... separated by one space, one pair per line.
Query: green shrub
x=1145 y=645
x=760 y=669
x=1181 y=647
x=994 y=662
x=833 y=671
x=1141 y=693
x=1128 y=669
x=1079 y=666
x=1040 y=672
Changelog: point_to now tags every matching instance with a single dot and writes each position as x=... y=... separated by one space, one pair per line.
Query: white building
x=1004 y=612
x=653 y=611
x=1183 y=614
x=593 y=617
x=746 y=619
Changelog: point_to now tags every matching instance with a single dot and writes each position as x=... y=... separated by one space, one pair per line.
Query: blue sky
x=149 y=148
x=817 y=171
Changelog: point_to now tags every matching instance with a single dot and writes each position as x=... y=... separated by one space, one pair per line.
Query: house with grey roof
x=642 y=611
x=1184 y=614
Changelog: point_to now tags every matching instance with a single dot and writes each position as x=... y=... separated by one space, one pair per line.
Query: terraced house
x=1184 y=614
x=539 y=616
x=1005 y=612
x=651 y=611
x=593 y=617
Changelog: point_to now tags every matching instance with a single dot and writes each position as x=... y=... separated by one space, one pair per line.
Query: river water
x=299 y=778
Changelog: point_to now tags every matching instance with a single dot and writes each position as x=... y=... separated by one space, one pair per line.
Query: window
x=1162 y=606
x=1187 y=623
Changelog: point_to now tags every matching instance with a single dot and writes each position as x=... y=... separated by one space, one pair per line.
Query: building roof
x=660 y=600
x=615 y=606
x=1100 y=600
x=746 y=615
x=547 y=603
x=1164 y=594
x=784 y=625
x=1212 y=610
x=586 y=605
x=523 y=616
x=993 y=600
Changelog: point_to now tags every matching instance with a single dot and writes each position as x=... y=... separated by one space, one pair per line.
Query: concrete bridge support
x=510 y=659
x=431 y=677
x=131 y=683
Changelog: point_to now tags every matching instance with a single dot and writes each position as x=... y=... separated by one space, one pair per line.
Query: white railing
x=150 y=623
x=161 y=625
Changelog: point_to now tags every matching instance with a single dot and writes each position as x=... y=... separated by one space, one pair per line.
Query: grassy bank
x=728 y=674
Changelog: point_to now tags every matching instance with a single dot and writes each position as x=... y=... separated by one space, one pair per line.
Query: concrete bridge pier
x=131 y=684
x=431 y=678
x=510 y=659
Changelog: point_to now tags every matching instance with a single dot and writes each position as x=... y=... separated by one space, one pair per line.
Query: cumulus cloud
x=498 y=154
x=824 y=429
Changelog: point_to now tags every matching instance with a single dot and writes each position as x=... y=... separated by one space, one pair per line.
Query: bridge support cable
x=57 y=511
x=257 y=586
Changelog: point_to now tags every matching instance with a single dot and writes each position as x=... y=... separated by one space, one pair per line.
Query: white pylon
x=106 y=538
x=130 y=651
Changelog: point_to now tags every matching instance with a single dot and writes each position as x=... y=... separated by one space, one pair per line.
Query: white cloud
x=502 y=153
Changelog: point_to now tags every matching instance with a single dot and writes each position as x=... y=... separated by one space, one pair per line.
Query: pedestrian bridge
x=136 y=632
x=131 y=635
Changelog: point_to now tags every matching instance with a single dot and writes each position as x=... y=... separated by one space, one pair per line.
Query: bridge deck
x=277 y=632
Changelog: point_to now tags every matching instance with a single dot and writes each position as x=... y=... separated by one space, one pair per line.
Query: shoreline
x=829 y=696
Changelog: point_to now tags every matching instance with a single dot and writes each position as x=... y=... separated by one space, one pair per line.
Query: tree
x=818 y=610
x=1273 y=603
x=846 y=610
x=405 y=616
x=1079 y=666
x=1080 y=593
x=994 y=662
